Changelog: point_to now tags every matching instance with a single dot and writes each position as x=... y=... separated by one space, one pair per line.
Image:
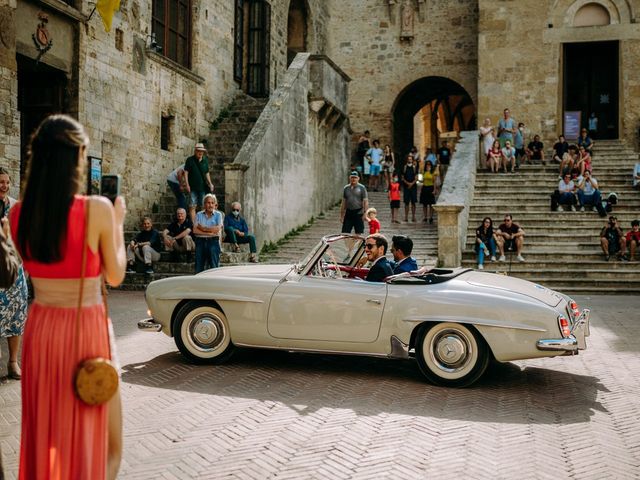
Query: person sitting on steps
x=236 y=231
x=612 y=241
x=177 y=236
x=145 y=247
x=485 y=242
x=509 y=236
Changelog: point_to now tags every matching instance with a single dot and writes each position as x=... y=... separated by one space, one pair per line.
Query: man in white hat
x=197 y=177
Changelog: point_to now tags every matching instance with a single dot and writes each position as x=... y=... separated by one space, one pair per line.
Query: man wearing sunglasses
x=375 y=247
x=510 y=236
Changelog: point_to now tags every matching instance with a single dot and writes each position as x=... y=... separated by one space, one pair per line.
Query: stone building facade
x=543 y=71
x=144 y=110
x=397 y=71
x=480 y=56
x=418 y=69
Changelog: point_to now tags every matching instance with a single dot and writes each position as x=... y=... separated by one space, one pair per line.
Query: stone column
x=449 y=235
x=234 y=182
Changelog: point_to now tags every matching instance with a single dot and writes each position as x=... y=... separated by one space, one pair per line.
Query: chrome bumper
x=574 y=342
x=149 y=325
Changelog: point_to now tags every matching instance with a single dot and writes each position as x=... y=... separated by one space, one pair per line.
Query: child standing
x=394 y=198
x=374 y=224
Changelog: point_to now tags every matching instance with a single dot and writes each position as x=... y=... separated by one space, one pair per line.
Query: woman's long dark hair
x=52 y=179
x=490 y=224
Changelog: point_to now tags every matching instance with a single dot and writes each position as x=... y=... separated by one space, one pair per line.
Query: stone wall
x=520 y=62
x=123 y=89
x=9 y=118
x=364 y=39
x=455 y=200
x=296 y=158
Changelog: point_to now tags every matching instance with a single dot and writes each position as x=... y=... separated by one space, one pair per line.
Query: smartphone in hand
x=110 y=186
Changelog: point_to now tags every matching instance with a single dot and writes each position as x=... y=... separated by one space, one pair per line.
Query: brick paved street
x=279 y=415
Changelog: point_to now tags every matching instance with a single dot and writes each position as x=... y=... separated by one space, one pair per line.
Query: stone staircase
x=227 y=136
x=167 y=267
x=424 y=236
x=562 y=249
x=296 y=246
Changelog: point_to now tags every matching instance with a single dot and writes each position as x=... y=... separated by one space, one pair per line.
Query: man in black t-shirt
x=444 y=153
x=559 y=149
x=612 y=241
x=145 y=246
x=510 y=236
x=177 y=236
x=535 y=150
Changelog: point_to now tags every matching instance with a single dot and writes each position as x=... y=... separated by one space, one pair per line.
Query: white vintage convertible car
x=453 y=322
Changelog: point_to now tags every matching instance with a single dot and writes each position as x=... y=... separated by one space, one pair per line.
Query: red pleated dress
x=62 y=438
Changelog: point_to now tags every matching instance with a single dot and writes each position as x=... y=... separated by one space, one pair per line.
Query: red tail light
x=573 y=307
x=564 y=326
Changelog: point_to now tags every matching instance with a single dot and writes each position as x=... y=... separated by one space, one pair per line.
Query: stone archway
x=425 y=109
x=297 y=29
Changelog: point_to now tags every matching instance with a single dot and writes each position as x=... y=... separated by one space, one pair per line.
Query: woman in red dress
x=63 y=438
x=494 y=157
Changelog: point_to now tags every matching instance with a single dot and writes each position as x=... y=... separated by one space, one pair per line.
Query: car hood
x=514 y=285
x=252 y=271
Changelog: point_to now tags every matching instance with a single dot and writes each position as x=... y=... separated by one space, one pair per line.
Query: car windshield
x=301 y=264
x=342 y=250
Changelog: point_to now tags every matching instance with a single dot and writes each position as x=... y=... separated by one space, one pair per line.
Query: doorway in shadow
x=428 y=108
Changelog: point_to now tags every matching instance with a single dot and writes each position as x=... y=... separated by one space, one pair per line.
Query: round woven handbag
x=96 y=381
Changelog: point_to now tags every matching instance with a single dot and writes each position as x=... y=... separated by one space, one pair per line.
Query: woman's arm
x=106 y=224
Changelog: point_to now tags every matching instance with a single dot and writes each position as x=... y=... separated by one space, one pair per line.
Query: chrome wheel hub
x=450 y=350
x=206 y=332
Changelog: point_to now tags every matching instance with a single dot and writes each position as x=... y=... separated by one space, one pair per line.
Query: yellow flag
x=106 y=9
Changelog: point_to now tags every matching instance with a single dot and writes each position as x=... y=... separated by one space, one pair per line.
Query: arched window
x=590 y=15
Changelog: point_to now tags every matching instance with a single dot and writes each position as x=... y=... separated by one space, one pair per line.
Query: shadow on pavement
x=369 y=386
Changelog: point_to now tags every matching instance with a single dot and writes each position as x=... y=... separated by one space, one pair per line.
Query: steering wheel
x=335 y=271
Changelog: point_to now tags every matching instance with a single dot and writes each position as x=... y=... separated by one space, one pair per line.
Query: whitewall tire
x=451 y=354
x=201 y=332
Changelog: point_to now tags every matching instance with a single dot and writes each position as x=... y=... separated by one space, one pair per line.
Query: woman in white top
x=487 y=132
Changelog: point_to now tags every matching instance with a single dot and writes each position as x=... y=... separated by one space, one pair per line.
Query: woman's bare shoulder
x=101 y=207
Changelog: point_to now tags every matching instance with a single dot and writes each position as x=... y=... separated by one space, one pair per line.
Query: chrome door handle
x=373 y=300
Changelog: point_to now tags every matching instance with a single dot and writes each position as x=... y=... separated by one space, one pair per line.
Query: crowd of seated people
x=203 y=237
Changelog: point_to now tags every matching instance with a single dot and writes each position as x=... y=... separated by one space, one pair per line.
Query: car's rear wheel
x=451 y=354
x=201 y=332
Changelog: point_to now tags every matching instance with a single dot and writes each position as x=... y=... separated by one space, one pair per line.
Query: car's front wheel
x=451 y=354
x=201 y=332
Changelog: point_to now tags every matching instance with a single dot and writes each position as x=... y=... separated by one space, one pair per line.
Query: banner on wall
x=572 y=121
x=94 y=175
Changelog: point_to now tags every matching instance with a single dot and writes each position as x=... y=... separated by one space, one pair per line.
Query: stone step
x=541 y=208
x=561 y=249
x=535 y=237
x=594 y=275
x=571 y=265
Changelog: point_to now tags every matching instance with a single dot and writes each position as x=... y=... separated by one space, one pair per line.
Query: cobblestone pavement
x=280 y=415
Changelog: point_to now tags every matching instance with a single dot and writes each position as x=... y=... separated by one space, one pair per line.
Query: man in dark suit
x=401 y=248
x=375 y=248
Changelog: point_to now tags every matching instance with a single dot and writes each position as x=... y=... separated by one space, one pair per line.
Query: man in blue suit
x=375 y=247
x=401 y=248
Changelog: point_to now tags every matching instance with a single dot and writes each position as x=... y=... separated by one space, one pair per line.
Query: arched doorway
x=297 y=29
x=427 y=108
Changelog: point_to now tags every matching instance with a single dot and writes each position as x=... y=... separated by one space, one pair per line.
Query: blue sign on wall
x=572 y=124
